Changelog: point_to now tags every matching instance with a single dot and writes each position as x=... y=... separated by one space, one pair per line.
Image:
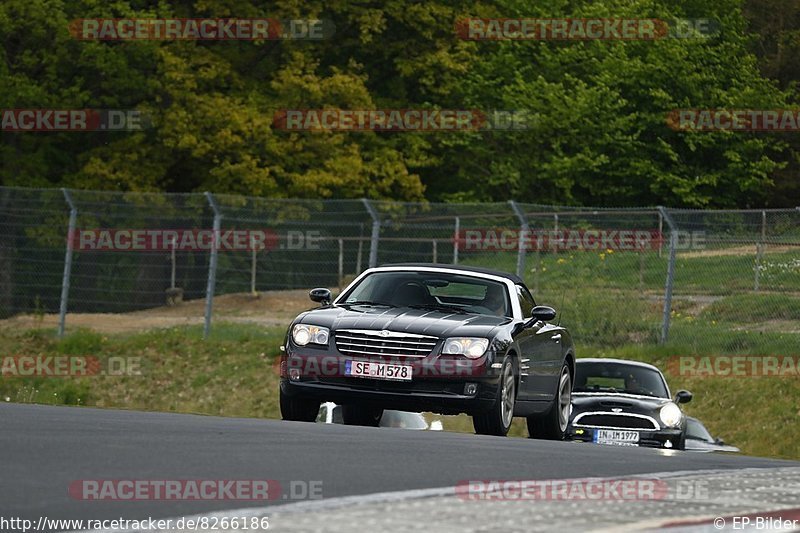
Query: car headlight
x=671 y=415
x=303 y=334
x=471 y=347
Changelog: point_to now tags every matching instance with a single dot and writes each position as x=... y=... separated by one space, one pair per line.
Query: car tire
x=298 y=409
x=360 y=415
x=497 y=420
x=553 y=424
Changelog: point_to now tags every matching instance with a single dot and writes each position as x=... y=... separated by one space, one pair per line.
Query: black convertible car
x=625 y=402
x=428 y=337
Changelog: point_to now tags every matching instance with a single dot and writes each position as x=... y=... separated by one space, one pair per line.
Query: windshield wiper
x=595 y=388
x=641 y=393
x=368 y=302
x=613 y=390
x=438 y=307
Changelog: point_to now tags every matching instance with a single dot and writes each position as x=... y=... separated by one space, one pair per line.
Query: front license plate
x=614 y=436
x=374 y=370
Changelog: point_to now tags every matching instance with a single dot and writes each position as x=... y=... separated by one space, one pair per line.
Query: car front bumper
x=662 y=438
x=438 y=396
x=440 y=384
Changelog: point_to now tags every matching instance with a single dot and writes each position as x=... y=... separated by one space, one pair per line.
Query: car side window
x=525 y=301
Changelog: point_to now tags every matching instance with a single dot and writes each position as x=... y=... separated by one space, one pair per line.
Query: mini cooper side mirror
x=543 y=313
x=320 y=295
x=683 y=396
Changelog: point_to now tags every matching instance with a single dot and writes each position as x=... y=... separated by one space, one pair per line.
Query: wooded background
x=599 y=136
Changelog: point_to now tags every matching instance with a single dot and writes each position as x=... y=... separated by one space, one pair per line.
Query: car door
x=537 y=350
x=552 y=351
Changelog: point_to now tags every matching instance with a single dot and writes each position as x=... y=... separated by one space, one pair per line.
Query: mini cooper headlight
x=671 y=415
x=303 y=334
x=471 y=347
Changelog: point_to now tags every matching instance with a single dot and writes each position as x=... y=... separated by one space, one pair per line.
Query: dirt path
x=274 y=308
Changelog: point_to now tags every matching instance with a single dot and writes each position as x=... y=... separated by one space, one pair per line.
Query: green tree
x=597 y=134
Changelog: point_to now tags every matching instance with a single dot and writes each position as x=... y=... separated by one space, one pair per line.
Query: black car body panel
x=698 y=439
x=439 y=381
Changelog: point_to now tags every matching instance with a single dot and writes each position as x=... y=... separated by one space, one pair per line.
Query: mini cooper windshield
x=619 y=378
x=430 y=290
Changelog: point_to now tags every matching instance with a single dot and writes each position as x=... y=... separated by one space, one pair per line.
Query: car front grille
x=608 y=420
x=362 y=343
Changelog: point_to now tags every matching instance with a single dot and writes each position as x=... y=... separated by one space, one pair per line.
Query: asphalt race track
x=47 y=448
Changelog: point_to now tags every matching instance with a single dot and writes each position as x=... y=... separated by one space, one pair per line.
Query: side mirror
x=543 y=313
x=683 y=396
x=320 y=295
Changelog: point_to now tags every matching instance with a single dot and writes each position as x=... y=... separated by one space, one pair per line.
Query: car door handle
x=556 y=337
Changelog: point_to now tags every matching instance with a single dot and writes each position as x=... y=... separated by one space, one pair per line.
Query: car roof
x=477 y=270
x=618 y=361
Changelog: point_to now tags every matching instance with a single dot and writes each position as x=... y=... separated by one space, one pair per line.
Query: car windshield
x=619 y=378
x=448 y=292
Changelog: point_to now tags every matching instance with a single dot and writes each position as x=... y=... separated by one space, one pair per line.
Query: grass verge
x=233 y=374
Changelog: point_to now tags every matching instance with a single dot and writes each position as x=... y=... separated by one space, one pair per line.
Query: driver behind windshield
x=411 y=293
x=495 y=300
x=632 y=386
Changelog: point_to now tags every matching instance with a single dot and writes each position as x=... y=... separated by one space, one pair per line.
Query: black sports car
x=428 y=337
x=626 y=403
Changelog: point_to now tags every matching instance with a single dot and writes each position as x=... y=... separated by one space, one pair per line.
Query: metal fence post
x=523 y=236
x=757 y=269
x=660 y=233
x=376 y=233
x=760 y=250
x=172 y=264
x=360 y=248
x=212 y=264
x=253 y=265
x=73 y=216
x=555 y=232
x=456 y=242
x=673 y=244
x=341 y=264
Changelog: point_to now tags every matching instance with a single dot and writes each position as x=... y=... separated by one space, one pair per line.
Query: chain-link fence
x=129 y=261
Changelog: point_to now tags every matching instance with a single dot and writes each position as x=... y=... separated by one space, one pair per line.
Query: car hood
x=404 y=319
x=629 y=403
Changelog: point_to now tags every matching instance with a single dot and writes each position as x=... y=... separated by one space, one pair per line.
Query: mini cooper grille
x=615 y=421
x=386 y=343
